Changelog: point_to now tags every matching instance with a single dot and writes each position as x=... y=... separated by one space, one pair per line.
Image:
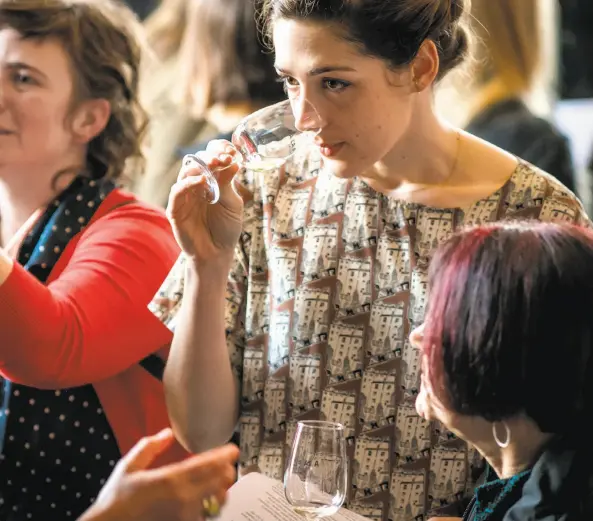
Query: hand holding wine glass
x=205 y=231
x=316 y=477
x=262 y=142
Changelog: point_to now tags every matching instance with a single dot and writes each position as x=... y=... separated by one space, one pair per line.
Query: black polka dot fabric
x=57 y=448
x=58 y=452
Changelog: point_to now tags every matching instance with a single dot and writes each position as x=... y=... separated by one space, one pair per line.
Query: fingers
x=192 y=495
x=215 y=458
x=214 y=484
x=185 y=485
x=147 y=450
x=220 y=157
x=216 y=462
x=222 y=167
x=220 y=146
x=185 y=193
x=202 y=163
x=190 y=185
x=229 y=157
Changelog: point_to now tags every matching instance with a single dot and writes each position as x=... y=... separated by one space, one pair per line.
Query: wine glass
x=263 y=141
x=316 y=477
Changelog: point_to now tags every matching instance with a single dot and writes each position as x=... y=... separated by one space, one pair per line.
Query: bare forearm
x=201 y=391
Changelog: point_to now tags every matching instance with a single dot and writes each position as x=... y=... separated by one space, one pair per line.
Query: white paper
x=256 y=497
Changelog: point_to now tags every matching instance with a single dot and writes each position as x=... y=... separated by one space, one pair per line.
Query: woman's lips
x=330 y=150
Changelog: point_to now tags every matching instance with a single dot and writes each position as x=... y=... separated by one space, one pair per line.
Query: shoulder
x=512 y=127
x=122 y=218
x=528 y=176
x=122 y=205
x=533 y=193
x=487 y=163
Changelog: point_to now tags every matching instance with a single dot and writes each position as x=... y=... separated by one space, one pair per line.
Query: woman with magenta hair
x=506 y=365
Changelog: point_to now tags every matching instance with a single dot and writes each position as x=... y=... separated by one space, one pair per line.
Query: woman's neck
x=526 y=445
x=21 y=196
x=408 y=166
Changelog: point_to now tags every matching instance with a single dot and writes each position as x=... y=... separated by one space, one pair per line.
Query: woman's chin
x=341 y=169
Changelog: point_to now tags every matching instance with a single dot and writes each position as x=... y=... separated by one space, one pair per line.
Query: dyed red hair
x=504 y=300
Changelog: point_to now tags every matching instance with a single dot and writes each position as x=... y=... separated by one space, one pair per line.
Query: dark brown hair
x=389 y=29
x=508 y=328
x=100 y=39
x=227 y=60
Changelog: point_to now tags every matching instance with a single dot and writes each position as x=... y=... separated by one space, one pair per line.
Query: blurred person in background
x=142 y=7
x=225 y=73
x=507 y=67
x=171 y=124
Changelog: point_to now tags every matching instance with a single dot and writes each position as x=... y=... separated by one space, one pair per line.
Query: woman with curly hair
x=79 y=258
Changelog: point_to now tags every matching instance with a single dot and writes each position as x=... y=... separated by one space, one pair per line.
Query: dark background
x=143 y=7
x=576 y=73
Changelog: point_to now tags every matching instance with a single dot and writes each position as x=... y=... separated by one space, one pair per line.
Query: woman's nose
x=305 y=115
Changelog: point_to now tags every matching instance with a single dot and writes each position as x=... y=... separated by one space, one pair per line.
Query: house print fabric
x=328 y=281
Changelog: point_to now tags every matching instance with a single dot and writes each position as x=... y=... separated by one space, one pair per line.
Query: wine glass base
x=212 y=194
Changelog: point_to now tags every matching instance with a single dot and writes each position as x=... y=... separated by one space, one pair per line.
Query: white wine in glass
x=317 y=474
x=263 y=141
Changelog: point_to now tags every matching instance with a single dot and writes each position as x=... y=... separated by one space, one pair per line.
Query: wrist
x=215 y=270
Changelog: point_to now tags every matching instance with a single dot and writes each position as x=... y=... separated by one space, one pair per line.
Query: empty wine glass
x=317 y=473
x=263 y=141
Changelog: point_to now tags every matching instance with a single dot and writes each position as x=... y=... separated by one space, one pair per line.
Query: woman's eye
x=288 y=82
x=329 y=84
x=23 y=78
x=335 y=85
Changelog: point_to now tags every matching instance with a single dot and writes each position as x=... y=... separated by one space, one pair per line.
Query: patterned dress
x=329 y=278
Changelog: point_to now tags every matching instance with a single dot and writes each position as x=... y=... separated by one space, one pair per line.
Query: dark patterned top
x=494 y=498
x=329 y=278
x=56 y=446
x=558 y=486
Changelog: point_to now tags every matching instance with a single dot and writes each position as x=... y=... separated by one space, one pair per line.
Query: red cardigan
x=90 y=323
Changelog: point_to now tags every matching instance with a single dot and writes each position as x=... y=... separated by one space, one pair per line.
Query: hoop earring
x=502 y=444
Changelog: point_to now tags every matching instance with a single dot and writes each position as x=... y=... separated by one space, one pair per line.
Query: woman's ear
x=425 y=66
x=90 y=119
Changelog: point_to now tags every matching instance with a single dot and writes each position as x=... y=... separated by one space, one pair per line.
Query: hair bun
x=451 y=34
x=454 y=49
x=448 y=13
